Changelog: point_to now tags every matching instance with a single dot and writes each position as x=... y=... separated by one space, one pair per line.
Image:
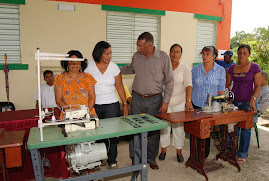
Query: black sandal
x=162 y=156
x=180 y=158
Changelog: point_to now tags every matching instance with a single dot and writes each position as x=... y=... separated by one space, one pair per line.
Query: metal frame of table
x=198 y=124
x=137 y=125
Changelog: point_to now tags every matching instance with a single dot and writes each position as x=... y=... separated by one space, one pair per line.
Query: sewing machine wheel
x=69 y=149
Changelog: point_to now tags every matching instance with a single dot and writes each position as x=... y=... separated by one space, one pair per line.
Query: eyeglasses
x=141 y=47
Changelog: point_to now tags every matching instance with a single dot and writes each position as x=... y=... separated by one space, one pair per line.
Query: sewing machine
x=198 y=124
x=74 y=118
x=219 y=102
x=137 y=125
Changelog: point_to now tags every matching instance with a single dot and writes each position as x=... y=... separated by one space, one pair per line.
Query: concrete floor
x=255 y=168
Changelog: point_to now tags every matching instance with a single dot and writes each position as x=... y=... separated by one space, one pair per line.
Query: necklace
x=101 y=65
x=175 y=65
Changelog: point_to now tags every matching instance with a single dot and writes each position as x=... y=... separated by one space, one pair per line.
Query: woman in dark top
x=244 y=75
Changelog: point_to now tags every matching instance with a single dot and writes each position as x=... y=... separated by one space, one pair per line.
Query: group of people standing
x=161 y=84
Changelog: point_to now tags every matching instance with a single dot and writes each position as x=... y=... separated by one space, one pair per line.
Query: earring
x=67 y=69
x=80 y=70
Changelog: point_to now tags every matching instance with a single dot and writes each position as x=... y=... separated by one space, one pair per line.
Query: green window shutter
x=10 y=33
x=123 y=30
x=206 y=17
x=206 y=36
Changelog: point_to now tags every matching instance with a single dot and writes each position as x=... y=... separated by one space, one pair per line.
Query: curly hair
x=84 y=63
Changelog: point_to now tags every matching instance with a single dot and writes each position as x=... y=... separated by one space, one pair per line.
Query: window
x=206 y=36
x=123 y=30
x=10 y=33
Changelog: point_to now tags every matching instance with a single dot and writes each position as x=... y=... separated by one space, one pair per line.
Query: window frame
x=10 y=14
x=136 y=13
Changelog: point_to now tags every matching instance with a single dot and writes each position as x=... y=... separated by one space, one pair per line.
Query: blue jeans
x=109 y=111
x=242 y=149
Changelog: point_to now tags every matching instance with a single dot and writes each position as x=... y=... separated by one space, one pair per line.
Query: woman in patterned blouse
x=74 y=86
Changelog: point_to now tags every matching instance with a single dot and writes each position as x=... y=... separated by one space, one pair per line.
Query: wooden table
x=11 y=145
x=198 y=125
x=138 y=125
x=24 y=120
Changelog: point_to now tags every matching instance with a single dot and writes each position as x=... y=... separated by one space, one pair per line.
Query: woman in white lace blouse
x=180 y=101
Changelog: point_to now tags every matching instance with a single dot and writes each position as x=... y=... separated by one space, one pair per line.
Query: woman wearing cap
x=244 y=75
x=207 y=78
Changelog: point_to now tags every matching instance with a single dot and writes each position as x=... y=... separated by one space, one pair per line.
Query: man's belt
x=147 y=95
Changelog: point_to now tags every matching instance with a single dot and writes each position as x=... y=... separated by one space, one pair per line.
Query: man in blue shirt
x=227 y=60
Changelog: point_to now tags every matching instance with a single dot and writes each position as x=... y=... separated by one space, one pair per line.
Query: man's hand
x=164 y=108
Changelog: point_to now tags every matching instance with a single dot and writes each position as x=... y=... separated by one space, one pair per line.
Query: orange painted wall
x=220 y=8
x=224 y=27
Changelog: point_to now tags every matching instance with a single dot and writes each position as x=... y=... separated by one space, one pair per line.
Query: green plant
x=259 y=43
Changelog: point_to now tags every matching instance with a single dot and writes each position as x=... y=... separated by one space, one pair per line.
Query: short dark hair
x=215 y=51
x=176 y=45
x=245 y=46
x=84 y=63
x=99 y=49
x=147 y=37
x=47 y=72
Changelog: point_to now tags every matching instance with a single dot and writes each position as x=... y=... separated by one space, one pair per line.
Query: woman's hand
x=188 y=106
x=125 y=110
x=94 y=115
x=251 y=105
x=129 y=100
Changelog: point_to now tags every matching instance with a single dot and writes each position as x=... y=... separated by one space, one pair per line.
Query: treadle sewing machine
x=198 y=125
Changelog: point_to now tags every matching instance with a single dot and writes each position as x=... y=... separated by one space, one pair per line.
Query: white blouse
x=182 y=79
x=105 y=87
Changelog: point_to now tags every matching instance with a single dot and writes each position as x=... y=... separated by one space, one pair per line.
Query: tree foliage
x=259 y=43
